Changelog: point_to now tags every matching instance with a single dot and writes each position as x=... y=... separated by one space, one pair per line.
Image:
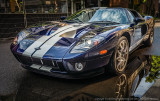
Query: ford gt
x=88 y=43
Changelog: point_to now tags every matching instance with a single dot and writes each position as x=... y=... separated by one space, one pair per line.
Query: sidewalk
x=153 y=93
x=157 y=24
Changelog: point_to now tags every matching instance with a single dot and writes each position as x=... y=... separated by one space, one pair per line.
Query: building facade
x=71 y=6
x=13 y=17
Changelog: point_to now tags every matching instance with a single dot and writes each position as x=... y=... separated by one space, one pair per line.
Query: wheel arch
x=127 y=35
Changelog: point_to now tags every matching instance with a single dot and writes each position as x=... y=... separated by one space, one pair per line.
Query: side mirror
x=138 y=20
x=148 y=17
x=63 y=17
x=143 y=16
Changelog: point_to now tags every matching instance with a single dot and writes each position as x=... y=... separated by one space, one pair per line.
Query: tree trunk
x=18 y=6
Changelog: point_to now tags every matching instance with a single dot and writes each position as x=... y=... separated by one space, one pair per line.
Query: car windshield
x=81 y=16
x=109 y=15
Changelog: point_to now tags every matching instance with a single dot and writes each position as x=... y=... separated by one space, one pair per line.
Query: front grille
x=47 y=62
x=61 y=66
x=55 y=65
x=37 y=61
x=25 y=60
x=50 y=63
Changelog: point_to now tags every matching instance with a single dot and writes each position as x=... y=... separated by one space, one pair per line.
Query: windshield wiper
x=105 y=22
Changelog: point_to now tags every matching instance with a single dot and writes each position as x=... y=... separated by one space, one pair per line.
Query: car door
x=137 y=27
x=137 y=36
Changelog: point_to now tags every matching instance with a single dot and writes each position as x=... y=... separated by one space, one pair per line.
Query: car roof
x=96 y=8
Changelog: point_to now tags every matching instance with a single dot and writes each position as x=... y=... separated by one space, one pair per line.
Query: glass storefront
x=34 y=6
x=45 y=6
x=49 y=6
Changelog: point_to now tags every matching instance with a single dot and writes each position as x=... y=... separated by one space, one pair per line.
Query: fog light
x=79 y=66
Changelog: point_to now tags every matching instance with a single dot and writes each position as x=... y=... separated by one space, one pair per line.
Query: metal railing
x=11 y=24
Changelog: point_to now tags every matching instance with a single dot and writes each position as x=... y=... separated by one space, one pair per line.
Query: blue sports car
x=85 y=44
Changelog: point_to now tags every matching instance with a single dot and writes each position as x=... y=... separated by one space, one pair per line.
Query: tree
x=150 y=7
x=12 y=5
x=19 y=4
x=137 y=5
x=21 y=7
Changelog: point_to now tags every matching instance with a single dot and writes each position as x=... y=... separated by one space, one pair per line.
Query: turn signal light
x=103 y=52
x=15 y=40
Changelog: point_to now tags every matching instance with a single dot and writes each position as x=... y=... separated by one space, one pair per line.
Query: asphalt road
x=14 y=80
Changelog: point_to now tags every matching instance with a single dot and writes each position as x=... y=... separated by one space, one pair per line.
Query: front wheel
x=119 y=58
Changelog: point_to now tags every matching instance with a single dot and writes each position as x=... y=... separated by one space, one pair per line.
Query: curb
x=157 y=20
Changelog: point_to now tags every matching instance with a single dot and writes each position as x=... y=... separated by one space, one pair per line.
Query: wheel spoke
x=118 y=58
x=119 y=65
x=121 y=46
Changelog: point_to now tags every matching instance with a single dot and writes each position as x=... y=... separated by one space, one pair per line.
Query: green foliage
x=137 y=6
x=144 y=1
x=75 y=14
x=155 y=69
x=19 y=4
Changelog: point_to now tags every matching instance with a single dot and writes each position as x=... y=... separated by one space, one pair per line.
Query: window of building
x=34 y=6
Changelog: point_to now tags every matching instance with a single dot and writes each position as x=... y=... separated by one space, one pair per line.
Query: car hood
x=54 y=39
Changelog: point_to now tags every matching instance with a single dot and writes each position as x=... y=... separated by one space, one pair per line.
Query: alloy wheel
x=122 y=55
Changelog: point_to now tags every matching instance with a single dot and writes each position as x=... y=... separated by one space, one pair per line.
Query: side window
x=91 y=13
x=131 y=17
x=136 y=14
x=87 y=16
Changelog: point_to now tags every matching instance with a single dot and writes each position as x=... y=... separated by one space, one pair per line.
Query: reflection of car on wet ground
x=128 y=86
x=134 y=83
x=84 y=43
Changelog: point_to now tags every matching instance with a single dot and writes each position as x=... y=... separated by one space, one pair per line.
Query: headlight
x=22 y=35
x=15 y=40
x=87 y=42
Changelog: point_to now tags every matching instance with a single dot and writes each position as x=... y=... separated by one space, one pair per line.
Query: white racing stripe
x=38 y=43
x=44 y=48
x=47 y=69
x=43 y=68
x=31 y=49
x=35 y=66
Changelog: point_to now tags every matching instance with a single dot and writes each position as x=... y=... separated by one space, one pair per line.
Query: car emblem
x=38 y=48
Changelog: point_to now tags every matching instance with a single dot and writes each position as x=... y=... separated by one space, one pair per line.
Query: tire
x=120 y=56
x=150 y=40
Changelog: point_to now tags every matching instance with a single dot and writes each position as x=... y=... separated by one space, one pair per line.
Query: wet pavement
x=131 y=85
x=141 y=81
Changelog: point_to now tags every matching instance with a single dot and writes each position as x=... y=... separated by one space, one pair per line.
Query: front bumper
x=67 y=75
x=94 y=68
